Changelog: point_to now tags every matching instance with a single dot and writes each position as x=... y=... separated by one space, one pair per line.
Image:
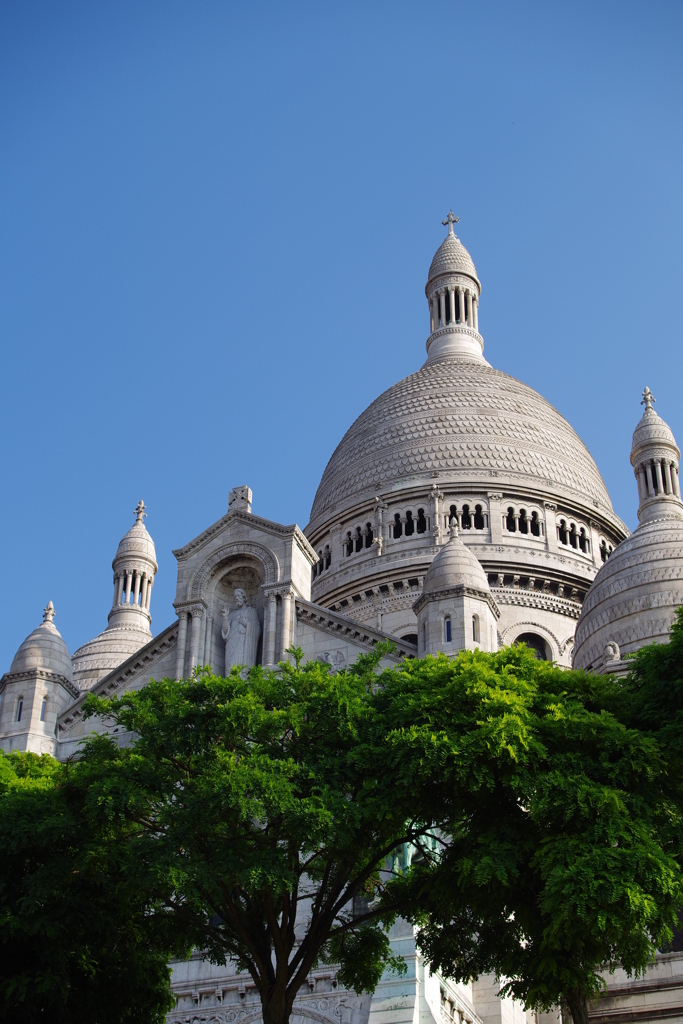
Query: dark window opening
x=536 y=643
x=398 y=585
x=421 y=521
x=573 y=540
x=563 y=532
x=349 y=544
x=466 y=518
x=410 y=638
x=510 y=520
x=384 y=589
x=369 y=536
x=534 y=525
x=523 y=521
x=448 y=307
x=447 y=625
x=359 y=539
x=43 y=709
x=458 y=315
x=478 y=518
x=328 y=557
x=583 y=541
x=20 y=708
x=410 y=525
x=398 y=526
x=453 y=517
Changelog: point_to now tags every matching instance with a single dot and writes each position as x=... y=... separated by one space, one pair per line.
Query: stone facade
x=460 y=510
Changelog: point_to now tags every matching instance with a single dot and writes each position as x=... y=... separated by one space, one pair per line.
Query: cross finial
x=49 y=612
x=451 y=219
x=140 y=511
x=648 y=398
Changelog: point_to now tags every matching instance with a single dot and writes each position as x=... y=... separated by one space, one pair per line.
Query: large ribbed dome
x=461 y=420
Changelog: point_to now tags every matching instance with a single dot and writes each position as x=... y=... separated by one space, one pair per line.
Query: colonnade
x=657 y=476
x=133 y=588
x=468 y=303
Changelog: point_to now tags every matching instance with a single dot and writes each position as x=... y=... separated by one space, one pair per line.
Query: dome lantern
x=134 y=568
x=453 y=291
x=655 y=457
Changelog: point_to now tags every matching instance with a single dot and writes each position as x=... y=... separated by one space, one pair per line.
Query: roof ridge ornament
x=648 y=399
x=451 y=219
x=140 y=511
x=49 y=612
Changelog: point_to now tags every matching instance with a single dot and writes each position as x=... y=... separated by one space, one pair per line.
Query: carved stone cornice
x=340 y=626
x=248 y=518
x=460 y=591
x=537 y=599
x=40 y=673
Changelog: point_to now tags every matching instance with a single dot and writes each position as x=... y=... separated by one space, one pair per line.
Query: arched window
x=453 y=517
x=20 y=708
x=359 y=539
x=466 y=518
x=327 y=557
x=510 y=520
x=349 y=544
x=563 y=533
x=536 y=643
x=534 y=525
x=447 y=635
x=398 y=525
x=478 y=518
x=573 y=539
x=475 y=628
x=523 y=521
x=448 y=306
x=421 y=525
x=410 y=525
x=368 y=535
x=43 y=709
x=410 y=638
x=583 y=541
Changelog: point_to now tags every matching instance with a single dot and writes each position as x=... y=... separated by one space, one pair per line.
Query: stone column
x=270 y=629
x=495 y=520
x=658 y=472
x=194 y=637
x=469 y=308
x=666 y=467
x=286 y=622
x=118 y=590
x=451 y=293
x=650 y=479
x=143 y=593
x=137 y=580
x=129 y=581
x=149 y=591
x=435 y=312
x=642 y=483
x=442 y=307
x=208 y=643
x=550 y=526
x=182 y=640
x=461 y=301
x=437 y=498
x=595 y=543
x=674 y=479
x=475 y=311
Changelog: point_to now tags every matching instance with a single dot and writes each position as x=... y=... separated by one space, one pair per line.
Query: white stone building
x=459 y=510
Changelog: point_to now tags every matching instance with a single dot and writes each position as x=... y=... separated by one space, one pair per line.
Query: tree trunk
x=578 y=1005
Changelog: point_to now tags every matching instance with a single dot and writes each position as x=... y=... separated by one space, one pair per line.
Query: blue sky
x=216 y=221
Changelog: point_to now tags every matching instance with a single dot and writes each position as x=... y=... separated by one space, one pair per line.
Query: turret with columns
x=453 y=291
x=655 y=457
x=134 y=568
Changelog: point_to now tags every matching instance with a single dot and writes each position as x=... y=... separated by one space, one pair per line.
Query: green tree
x=560 y=853
x=258 y=809
x=77 y=940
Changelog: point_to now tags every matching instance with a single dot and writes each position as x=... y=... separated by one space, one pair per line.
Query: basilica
x=460 y=510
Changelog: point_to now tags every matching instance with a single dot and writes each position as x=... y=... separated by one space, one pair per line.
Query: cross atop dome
x=140 y=513
x=49 y=612
x=451 y=219
x=648 y=398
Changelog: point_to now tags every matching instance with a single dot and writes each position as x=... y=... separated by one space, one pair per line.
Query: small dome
x=44 y=649
x=100 y=656
x=451 y=258
x=455 y=566
x=137 y=543
x=651 y=429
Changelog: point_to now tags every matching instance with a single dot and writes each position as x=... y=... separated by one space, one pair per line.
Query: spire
x=654 y=457
x=49 y=612
x=140 y=513
x=451 y=219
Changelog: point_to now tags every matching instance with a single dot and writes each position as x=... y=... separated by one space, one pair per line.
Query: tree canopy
x=251 y=812
x=79 y=941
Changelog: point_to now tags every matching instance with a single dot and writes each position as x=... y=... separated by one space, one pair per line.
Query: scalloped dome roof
x=652 y=429
x=634 y=597
x=98 y=657
x=44 y=649
x=452 y=258
x=454 y=566
x=137 y=543
x=464 y=422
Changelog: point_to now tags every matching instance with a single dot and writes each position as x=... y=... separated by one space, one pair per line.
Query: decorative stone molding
x=340 y=626
x=537 y=599
x=41 y=673
x=459 y=591
x=208 y=568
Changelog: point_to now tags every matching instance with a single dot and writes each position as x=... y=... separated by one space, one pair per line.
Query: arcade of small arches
x=656 y=477
x=133 y=587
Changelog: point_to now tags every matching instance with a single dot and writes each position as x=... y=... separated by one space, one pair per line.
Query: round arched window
x=410 y=638
x=536 y=643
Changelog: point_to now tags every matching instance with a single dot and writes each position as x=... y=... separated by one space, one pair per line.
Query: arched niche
x=243 y=571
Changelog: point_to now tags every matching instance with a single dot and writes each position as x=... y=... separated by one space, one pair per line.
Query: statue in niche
x=241 y=631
